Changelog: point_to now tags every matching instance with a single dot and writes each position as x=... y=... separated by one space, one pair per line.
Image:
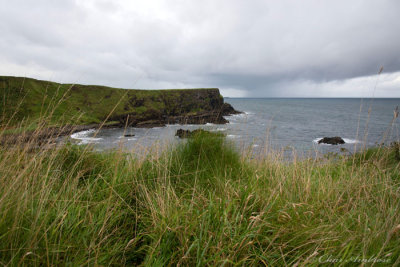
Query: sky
x=307 y=48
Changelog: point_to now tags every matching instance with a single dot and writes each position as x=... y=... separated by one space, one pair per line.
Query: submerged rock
x=181 y=133
x=332 y=140
x=129 y=135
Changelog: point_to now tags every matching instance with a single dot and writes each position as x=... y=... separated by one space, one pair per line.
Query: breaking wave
x=84 y=138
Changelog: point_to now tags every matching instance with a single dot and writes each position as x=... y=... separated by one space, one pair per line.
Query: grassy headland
x=34 y=100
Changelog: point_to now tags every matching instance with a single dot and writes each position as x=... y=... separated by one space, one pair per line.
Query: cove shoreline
x=47 y=135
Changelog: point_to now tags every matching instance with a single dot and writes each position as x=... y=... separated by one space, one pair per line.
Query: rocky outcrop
x=191 y=106
x=181 y=133
x=227 y=109
x=332 y=140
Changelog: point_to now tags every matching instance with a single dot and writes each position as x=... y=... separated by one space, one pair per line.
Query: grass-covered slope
x=199 y=204
x=30 y=99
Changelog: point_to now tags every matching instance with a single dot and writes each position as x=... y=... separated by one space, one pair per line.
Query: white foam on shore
x=218 y=130
x=124 y=139
x=239 y=116
x=178 y=125
x=84 y=138
x=346 y=140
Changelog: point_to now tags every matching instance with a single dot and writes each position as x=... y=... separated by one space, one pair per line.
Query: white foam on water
x=218 y=130
x=316 y=140
x=84 y=138
x=123 y=139
x=177 y=125
x=351 y=141
x=237 y=116
x=232 y=136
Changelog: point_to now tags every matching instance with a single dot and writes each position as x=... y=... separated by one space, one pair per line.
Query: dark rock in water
x=129 y=135
x=181 y=133
x=332 y=140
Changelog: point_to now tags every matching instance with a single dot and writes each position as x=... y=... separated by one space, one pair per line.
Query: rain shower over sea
x=278 y=123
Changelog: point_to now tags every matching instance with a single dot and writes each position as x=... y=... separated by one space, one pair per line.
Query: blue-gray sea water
x=290 y=124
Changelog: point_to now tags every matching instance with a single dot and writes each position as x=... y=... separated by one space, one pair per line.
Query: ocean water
x=286 y=124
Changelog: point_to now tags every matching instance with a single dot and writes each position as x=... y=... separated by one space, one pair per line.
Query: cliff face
x=191 y=106
x=86 y=104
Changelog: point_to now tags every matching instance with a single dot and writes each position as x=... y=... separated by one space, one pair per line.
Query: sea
x=289 y=125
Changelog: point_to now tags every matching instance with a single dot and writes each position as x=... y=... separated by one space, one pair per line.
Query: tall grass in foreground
x=199 y=203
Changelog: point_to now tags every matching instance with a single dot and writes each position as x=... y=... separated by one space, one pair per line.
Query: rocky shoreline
x=92 y=104
x=46 y=135
x=128 y=107
x=51 y=134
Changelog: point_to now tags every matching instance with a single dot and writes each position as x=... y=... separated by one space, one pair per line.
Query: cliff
x=30 y=99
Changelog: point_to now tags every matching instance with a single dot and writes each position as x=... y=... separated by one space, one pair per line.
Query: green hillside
x=31 y=99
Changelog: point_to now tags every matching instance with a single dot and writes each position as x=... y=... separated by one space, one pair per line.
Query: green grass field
x=199 y=203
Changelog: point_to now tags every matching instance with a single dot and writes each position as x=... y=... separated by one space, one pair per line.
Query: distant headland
x=76 y=104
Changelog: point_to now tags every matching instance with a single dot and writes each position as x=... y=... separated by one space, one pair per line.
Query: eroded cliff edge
x=188 y=106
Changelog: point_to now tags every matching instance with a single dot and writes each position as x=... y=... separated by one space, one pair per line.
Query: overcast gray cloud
x=246 y=48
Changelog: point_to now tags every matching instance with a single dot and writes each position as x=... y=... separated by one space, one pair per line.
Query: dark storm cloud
x=247 y=48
